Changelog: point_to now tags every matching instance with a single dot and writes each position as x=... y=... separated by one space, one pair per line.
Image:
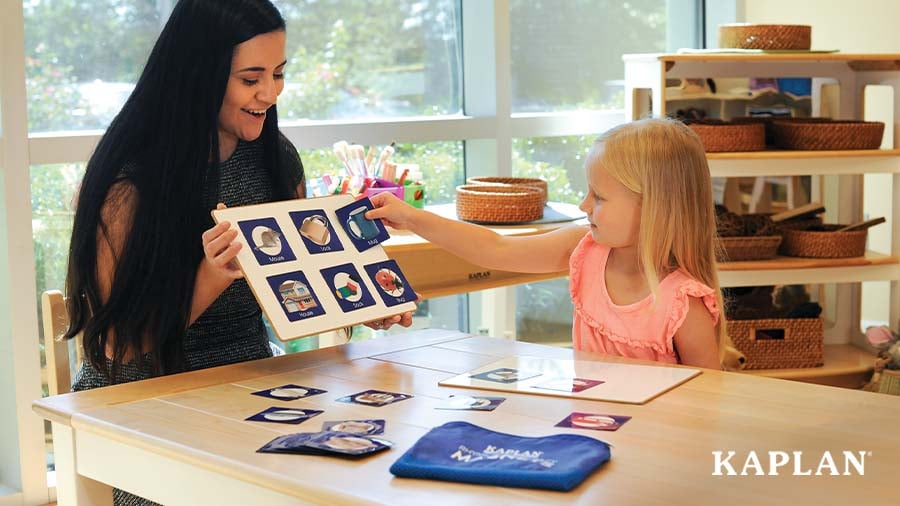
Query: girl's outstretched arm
x=539 y=253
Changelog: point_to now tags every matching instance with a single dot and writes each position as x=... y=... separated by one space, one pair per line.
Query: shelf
x=845 y=365
x=791 y=270
x=804 y=163
x=855 y=61
x=676 y=94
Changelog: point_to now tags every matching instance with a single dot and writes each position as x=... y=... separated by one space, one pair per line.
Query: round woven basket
x=822 y=135
x=751 y=36
x=521 y=181
x=824 y=242
x=483 y=203
x=734 y=249
x=720 y=136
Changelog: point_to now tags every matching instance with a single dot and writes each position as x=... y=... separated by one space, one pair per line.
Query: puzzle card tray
x=317 y=265
x=580 y=379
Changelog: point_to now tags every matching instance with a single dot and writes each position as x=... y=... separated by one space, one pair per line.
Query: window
x=76 y=78
x=365 y=59
x=568 y=55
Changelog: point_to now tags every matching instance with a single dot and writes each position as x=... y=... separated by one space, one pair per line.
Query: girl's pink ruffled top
x=641 y=330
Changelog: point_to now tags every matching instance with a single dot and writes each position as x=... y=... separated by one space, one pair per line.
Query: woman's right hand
x=220 y=250
x=394 y=212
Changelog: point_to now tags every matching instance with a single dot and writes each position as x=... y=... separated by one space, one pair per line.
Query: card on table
x=343 y=444
x=304 y=272
x=506 y=375
x=284 y=415
x=470 y=403
x=363 y=427
x=593 y=421
x=291 y=443
x=375 y=398
x=569 y=384
x=346 y=443
x=289 y=392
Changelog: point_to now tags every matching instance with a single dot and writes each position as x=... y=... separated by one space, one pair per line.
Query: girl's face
x=613 y=210
x=254 y=84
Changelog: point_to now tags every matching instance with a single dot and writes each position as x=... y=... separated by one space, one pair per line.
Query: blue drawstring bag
x=460 y=451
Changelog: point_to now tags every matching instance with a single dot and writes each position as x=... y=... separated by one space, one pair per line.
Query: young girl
x=642 y=276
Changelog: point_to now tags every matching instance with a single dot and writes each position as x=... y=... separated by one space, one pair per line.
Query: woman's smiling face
x=256 y=80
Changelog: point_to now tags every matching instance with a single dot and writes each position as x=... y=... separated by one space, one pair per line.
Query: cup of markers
x=364 y=174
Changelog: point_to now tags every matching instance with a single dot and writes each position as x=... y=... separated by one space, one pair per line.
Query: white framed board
x=317 y=265
x=580 y=379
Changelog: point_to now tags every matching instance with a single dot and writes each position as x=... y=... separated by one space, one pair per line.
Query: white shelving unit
x=839 y=90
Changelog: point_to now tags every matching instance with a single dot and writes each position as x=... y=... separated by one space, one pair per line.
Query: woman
x=199 y=129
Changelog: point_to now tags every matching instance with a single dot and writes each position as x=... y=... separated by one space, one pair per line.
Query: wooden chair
x=55 y=322
x=59 y=364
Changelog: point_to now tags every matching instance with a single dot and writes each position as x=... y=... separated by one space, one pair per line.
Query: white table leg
x=73 y=489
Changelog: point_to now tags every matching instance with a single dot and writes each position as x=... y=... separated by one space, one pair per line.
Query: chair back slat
x=55 y=322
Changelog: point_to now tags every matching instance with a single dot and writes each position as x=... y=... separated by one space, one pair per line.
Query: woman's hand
x=404 y=320
x=394 y=212
x=220 y=250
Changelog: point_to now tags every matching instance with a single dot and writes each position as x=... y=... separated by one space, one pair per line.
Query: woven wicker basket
x=803 y=224
x=721 y=136
x=521 y=181
x=482 y=203
x=769 y=123
x=824 y=242
x=750 y=36
x=734 y=249
x=779 y=343
x=822 y=135
x=890 y=382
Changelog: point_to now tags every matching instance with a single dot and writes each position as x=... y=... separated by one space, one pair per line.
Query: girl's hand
x=394 y=212
x=220 y=250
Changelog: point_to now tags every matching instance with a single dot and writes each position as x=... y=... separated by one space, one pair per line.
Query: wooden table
x=182 y=439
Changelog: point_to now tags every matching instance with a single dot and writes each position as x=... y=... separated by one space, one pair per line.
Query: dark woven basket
x=521 y=181
x=768 y=123
x=779 y=343
x=803 y=224
x=824 y=242
x=828 y=135
x=722 y=136
x=734 y=249
x=499 y=203
x=751 y=36
x=758 y=224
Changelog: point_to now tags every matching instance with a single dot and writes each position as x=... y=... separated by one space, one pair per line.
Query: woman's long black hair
x=164 y=142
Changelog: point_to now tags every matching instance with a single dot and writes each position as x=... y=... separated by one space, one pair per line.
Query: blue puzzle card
x=363 y=232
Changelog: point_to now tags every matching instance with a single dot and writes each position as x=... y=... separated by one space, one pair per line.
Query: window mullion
x=22 y=453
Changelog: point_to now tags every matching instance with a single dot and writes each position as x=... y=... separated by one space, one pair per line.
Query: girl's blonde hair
x=664 y=162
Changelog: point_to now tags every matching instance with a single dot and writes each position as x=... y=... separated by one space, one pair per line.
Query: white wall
x=857 y=26
x=853 y=26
